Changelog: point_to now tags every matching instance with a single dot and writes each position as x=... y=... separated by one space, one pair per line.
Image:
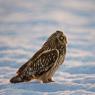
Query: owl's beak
x=65 y=40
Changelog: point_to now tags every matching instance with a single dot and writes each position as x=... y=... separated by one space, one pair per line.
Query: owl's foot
x=49 y=80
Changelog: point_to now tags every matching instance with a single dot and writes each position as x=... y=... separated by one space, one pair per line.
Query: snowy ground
x=24 y=27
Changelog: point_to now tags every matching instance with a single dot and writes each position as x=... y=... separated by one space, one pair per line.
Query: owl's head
x=56 y=39
x=61 y=37
x=58 y=36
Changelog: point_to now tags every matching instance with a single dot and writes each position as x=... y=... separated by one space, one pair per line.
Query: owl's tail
x=18 y=79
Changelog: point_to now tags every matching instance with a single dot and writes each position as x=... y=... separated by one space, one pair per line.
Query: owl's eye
x=61 y=38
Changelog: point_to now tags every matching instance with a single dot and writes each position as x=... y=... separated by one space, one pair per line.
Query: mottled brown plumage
x=45 y=62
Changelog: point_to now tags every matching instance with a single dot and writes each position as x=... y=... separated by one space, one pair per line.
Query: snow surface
x=24 y=27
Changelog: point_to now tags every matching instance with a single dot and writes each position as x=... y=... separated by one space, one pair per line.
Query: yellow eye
x=61 y=38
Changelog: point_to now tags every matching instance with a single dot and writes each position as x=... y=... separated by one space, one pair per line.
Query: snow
x=26 y=24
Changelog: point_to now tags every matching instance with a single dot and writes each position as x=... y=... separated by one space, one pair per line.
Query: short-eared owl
x=45 y=62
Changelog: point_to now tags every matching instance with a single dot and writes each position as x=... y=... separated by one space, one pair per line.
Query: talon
x=50 y=80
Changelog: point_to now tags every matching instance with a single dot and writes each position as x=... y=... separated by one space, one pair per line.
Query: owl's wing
x=20 y=70
x=43 y=62
x=24 y=66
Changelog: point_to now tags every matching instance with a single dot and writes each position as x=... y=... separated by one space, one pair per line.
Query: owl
x=45 y=61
